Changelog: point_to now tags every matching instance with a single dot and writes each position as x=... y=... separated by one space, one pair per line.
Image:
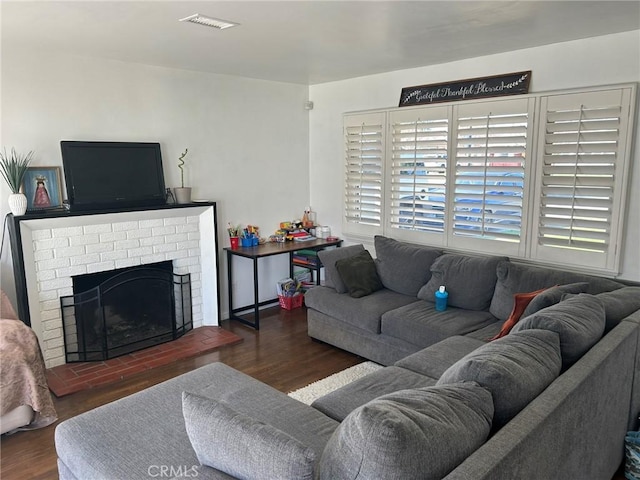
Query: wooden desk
x=255 y=254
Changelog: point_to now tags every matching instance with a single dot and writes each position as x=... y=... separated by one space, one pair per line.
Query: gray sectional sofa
x=399 y=319
x=553 y=398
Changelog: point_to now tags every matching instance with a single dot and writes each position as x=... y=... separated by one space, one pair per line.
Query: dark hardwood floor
x=280 y=354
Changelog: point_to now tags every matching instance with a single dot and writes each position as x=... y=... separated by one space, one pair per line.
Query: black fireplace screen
x=122 y=311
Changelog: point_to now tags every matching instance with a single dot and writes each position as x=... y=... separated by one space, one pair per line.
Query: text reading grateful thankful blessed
x=498 y=85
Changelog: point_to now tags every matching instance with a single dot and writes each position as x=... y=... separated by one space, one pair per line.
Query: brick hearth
x=74 y=377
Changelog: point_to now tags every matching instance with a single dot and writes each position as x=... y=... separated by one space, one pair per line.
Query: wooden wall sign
x=495 y=86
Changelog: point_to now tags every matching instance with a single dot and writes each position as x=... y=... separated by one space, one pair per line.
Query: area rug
x=74 y=377
x=317 y=389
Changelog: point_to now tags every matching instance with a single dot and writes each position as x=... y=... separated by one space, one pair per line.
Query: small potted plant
x=182 y=193
x=14 y=167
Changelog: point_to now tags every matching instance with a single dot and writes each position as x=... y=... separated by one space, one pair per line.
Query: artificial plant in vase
x=14 y=167
x=182 y=193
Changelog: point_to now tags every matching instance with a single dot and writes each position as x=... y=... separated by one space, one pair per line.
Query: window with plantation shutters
x=364 y=154
x=582 y=171
x=490 y=174
x=540 y=177
x=417 y=171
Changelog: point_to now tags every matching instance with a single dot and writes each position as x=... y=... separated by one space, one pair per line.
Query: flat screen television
x=111 y=175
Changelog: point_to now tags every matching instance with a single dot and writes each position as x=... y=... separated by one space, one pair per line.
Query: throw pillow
x=521 y=300
x=579 y=321
x=241 y=446
x=329 y=258
x=619 y=304
x=469 y=280
x=515 y=369
x=419 y=433
x=552 y=296
x=403 y=267
x=359 y=275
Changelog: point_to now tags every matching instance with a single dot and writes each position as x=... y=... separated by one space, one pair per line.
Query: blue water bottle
x=441 y=299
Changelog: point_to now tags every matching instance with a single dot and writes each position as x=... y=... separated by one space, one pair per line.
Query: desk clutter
x=305 y=261
x=290 y=293
x=246 y=237
x=306 y=257
x=301 y=230
x=298 y=230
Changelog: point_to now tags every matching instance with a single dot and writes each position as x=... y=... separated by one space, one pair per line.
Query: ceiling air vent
x=208 y=21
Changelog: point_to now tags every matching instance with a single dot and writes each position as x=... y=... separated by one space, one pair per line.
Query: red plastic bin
x=289 y=303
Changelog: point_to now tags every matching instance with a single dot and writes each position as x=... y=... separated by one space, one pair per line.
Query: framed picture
x=43 y=188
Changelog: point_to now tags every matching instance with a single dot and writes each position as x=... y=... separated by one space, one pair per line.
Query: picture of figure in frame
x=43 y=188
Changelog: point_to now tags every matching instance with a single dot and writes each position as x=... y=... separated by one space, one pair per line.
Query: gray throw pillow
x=359 y=275
x=553 y=295
x=469 y=280
x=419 y=433
x=329 y=258
x=241 y=446
x=403 y=267
x=514 y=368
x=619 y=304
x=579 y=320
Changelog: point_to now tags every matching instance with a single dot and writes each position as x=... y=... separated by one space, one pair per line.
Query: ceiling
x=306 y=42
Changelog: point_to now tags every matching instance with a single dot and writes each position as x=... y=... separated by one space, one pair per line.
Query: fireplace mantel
x=49 y=247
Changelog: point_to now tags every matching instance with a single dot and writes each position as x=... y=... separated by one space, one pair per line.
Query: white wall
x=596 y=61
x=48 y=98
x=247 y=139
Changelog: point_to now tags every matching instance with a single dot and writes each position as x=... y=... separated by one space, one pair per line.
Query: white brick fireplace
x=57 y=248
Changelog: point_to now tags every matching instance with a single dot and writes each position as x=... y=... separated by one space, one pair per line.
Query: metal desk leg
x=236 y=313
x=230 y=282
x=291 y=265
x=255 y=294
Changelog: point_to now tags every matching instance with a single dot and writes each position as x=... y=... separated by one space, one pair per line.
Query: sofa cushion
x=329 y=258
x=422 y=433
x=433 y=361
x=516 y=278
x=619 y=304
x=515 y=369
x=419 y=323
x=521 y=302
x=342 y=401
x=579 y=321
x=469 y=280
x=221 y=438
x=364 y=312
x=403 y=267
x=359 y=275
x=487 y=332
x=553 y=295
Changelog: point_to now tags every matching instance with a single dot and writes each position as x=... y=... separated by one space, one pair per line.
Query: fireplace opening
x=121 y=311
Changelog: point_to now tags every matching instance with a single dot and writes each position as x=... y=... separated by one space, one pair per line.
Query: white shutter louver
x=364 y=153
x=419 y=142
x=580 y=172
